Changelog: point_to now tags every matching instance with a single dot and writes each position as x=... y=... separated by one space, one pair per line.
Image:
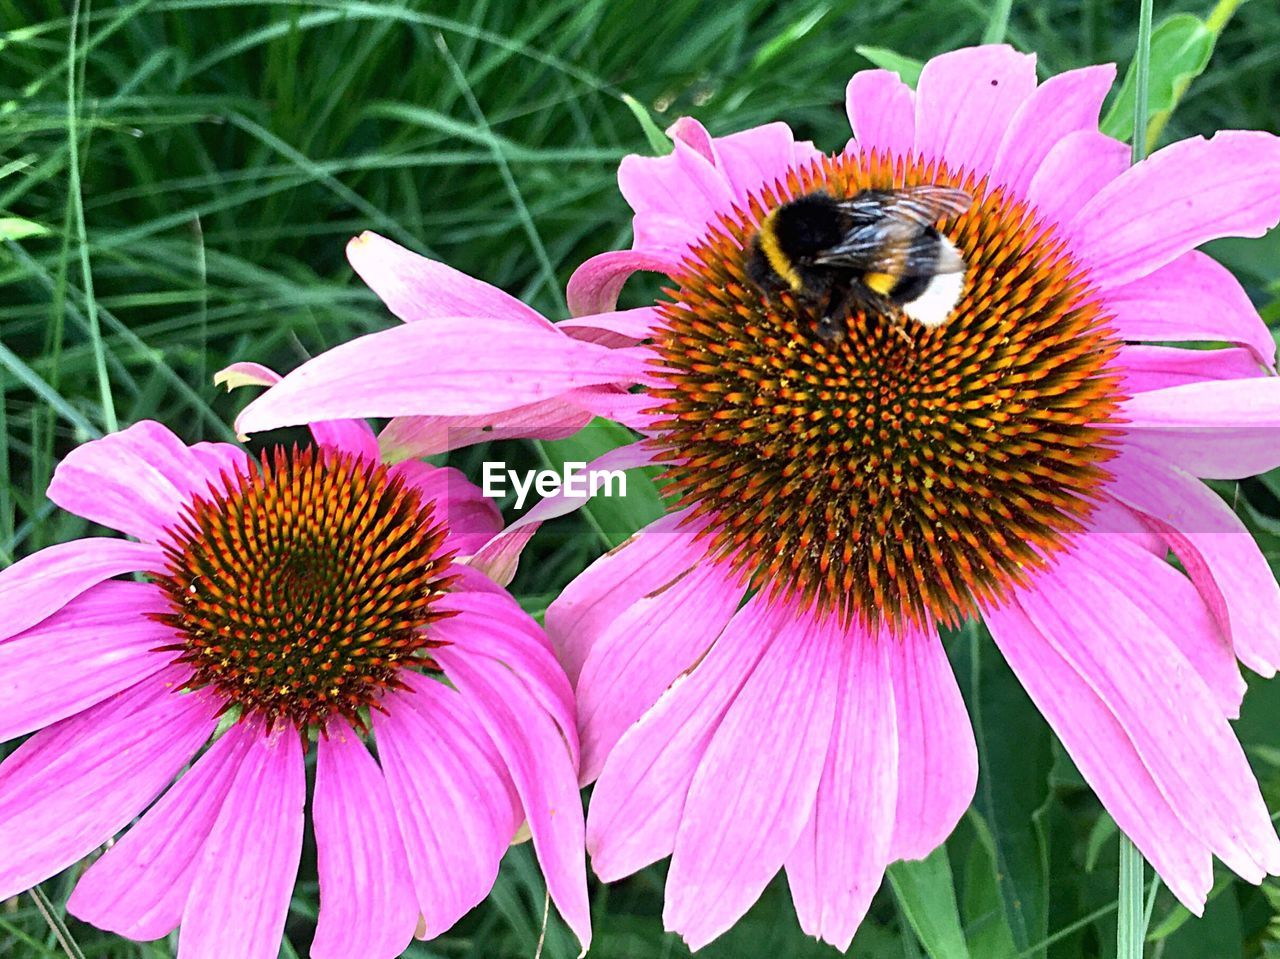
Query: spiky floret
x=883 y=477
x=303 y=587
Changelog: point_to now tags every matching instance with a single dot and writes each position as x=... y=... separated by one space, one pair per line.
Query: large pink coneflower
x=316 y=594
x=760 y=683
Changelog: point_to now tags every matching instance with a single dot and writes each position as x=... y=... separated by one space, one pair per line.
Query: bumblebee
x=879 y=248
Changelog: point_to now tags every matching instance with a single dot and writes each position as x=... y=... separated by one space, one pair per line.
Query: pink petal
x=472 y=517
x=638 y=801
x=882 y=112
x=415 y=288
x=1061 y=105
x=645 y=564
x=752 y=794
x=1159 y=367
x=836 y=866
x=367 y=906
x=938 y=757
x=1077 y=168
x=443 y=367
x=966 y=100
x=613 y=403
x=409 y=437
x=451 y=794
x=43 y=583
x=615 y=328
x=219 y=459
x=100 y=644
x=72 y=786
x=674 y=197
x=542 y=768
x=1162 y=704
x=1215 y=548
x=350 y=436
x=1170 y=599
x=136 y=481
x=139 y=888
x=487 y=621
x=1190 y=192
x=1105 y=756
x=1220 y=429
x=240 y=898
x=1192 y=298
x=499 y=558
x=758 y=157
x=595 y=285
x=638 y=656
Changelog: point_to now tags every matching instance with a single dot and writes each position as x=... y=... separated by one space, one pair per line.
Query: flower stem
x=1142 y=84
x=60 y=930
x=1131 y=917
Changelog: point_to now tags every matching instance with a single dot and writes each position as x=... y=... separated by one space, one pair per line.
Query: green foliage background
x=178 y=179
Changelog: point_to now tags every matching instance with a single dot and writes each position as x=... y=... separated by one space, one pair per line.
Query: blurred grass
x=177 y=182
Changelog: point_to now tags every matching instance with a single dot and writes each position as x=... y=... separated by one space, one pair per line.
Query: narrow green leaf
x=1181 y=46
x=926 y=892
x=659 y=141
x=886 y=59
x=16 y=228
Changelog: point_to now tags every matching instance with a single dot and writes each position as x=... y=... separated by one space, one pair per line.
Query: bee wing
x=923 y=205
x=893 y=246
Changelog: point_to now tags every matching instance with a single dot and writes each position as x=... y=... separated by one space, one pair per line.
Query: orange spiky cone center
x=894 y=479
x=301 y=589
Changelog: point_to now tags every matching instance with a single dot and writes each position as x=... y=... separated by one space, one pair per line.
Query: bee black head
x=808 y=225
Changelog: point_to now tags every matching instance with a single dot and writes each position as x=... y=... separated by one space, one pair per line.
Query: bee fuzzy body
x=879 y=248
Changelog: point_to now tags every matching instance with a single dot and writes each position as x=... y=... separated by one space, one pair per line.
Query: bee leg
x=832 y=323
x=900 y=327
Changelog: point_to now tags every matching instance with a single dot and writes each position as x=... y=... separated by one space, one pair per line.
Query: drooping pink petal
x=473 y=518
x=486 y=621
x=838 y=862
x=637 y=656
x=1221 y=429
x=1183 y=195
x=452 y=366
x=937 y=756
x=1174 y=603
x=221 y=459
x=240 y=898
x=638 y=800
x=646 y=563
x=542 y=769
x=1192 y=298
x=965 y=101
x=1113 y=518
x=452 y=797
x=137 y=480
x=1164 y=707
x=409 y=437
x=43 y=583
x=1158 y=367
x=367 y=905
x=882 y=112
x=499 y=558
x=101 y=643
x=1214 y=546
x=595 y=285
x=245 y=373
x=1077 y=168
x=415 y=288
x=1061 y=105
x=72 y=786
x=752 y=794
x=139 y=888
x=1105 y=756
x=613 y=403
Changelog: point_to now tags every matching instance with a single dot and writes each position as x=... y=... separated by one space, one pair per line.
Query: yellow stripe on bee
x=777 y=259
x=882 y=283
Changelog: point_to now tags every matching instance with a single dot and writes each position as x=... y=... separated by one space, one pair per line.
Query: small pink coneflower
x=760 y=683
x=316 y=593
